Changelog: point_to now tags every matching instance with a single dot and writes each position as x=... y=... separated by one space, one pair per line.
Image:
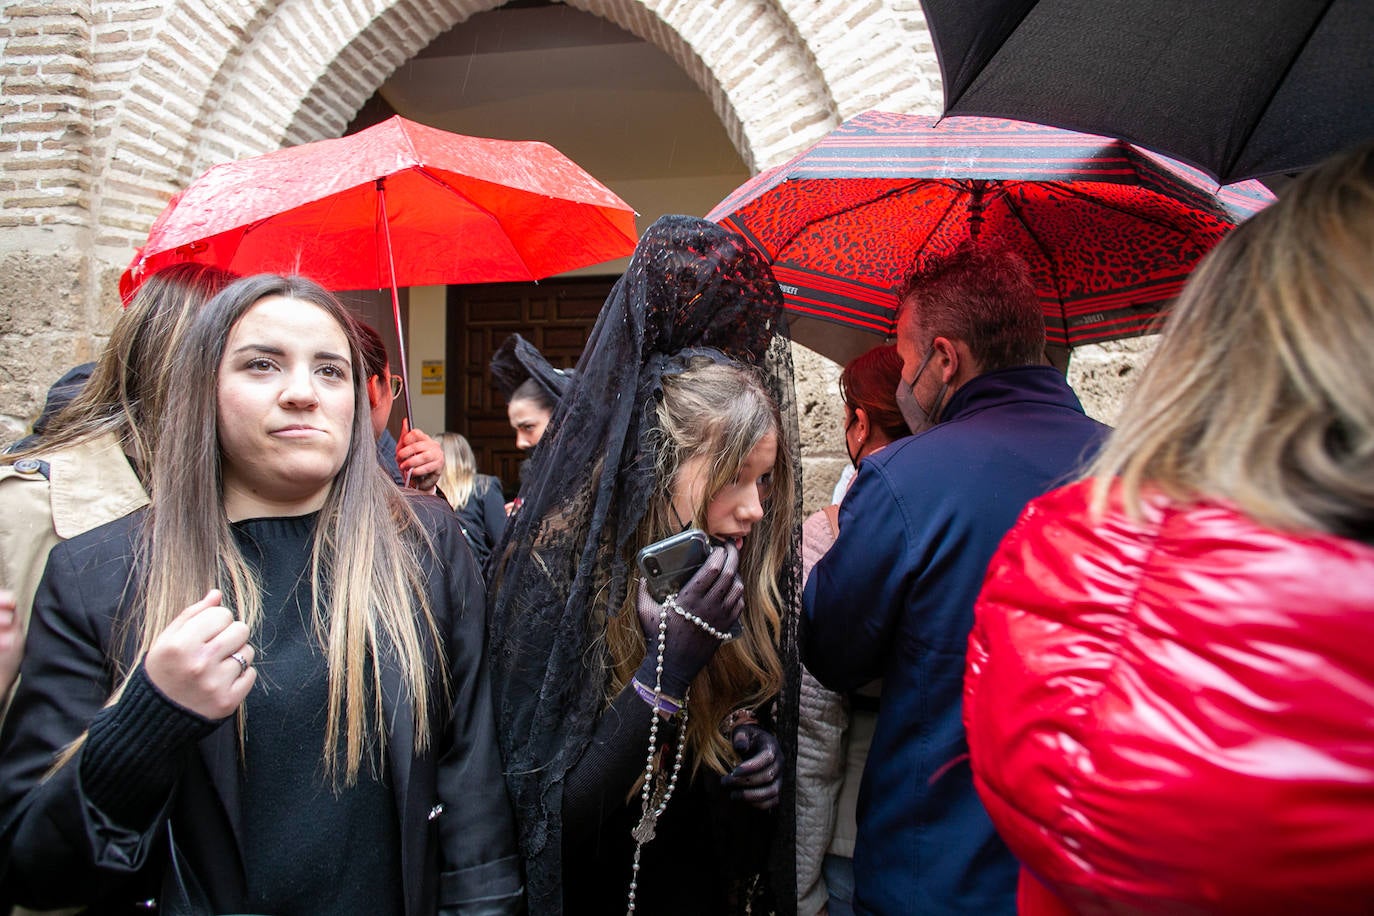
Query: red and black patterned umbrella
x=1110 y=231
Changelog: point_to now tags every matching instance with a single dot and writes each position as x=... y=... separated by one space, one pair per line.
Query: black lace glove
x=715 y=596
x=757 y=779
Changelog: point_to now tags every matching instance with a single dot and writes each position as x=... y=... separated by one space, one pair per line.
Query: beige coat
x=87 y=485
x=820 y=747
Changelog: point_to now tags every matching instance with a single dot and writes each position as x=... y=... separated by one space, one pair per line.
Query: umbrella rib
x=491 y=216
x=1015 y=211
x=1268 y=103
x=949 y=208
x=891 y=192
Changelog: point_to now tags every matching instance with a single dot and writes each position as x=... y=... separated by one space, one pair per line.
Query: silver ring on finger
x=243 y=662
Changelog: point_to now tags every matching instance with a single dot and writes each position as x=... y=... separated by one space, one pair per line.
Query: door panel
x=554 y=316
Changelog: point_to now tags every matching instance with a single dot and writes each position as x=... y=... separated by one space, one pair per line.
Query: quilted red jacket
x=1176 y=716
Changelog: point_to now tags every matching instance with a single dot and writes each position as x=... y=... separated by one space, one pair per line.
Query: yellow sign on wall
x=432 y=376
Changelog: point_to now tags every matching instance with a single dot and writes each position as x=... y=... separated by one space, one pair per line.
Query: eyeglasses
x=396 y=386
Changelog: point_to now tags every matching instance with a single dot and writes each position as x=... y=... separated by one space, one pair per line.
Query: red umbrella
x=398 y=204
x=1110 y=231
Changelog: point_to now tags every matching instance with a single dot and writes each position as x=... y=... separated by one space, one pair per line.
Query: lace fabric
x=517 y=360
x=692 y=289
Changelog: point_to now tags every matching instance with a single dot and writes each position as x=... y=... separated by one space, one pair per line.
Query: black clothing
x=483 y=516
x=707 y=852
x=144 y=733
x=63 y=849
x=692 y=289
x=517 y=360
x=339 y=852
x=60 y=394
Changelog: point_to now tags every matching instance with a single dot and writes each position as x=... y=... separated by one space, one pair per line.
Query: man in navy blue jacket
x=995 y=426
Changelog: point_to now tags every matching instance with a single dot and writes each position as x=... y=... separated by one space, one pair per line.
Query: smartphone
x=669 y=563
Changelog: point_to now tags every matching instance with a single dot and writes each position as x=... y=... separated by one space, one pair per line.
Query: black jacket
x=58 y=849
x=483 y=516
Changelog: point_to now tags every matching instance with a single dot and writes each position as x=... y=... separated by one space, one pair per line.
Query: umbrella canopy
x=453 y=209
x=1238 y=88
x=1110 y=231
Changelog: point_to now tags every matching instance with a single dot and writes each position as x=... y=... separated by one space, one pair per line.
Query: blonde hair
x=720 y=411
x=1260 y=392
x=460 y=469
x=369 y=596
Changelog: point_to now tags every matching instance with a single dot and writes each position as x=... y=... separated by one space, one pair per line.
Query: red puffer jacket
x=1176 y=716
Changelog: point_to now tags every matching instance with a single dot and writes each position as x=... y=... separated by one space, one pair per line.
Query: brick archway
x=113 y=105
x=231 y=81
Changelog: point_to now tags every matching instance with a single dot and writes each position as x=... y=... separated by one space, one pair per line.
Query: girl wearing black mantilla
x=645 y=742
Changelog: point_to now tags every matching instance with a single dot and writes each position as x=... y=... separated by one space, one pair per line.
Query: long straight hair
x=720 y=411
x=460 y=469
x=1260 y=391
x=369 y=600
x=127 y=390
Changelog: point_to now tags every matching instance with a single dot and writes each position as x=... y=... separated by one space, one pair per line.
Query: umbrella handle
x=395 y=299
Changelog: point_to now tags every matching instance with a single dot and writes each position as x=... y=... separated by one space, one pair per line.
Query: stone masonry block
x=1104 y=374
x=29 y=365
x=42 y=293
x=820 y=412
x=819 y=475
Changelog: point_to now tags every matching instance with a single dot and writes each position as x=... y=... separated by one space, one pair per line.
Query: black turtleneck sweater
x=308 y=846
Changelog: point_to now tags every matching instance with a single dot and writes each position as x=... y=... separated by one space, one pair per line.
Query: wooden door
x=556 y=317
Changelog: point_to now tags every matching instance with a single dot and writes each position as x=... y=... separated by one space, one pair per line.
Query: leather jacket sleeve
x=62 y=849
x=481 y=866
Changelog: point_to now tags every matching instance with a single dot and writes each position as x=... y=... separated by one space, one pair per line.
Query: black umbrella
x=1238 y=88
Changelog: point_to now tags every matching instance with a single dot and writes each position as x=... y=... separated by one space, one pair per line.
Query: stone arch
x=290 y=71
x=241 y=73
x=689 y=33
x=873 y=54
x=721 y=46
x=163 y=81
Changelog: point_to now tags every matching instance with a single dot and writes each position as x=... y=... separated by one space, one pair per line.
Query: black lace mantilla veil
x=517 y=360
x=692 y=289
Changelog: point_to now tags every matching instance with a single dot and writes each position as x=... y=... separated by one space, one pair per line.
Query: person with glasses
x=267 y=691
x=995 y=426
x=416 y=461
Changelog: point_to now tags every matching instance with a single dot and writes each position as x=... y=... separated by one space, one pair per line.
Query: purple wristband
x=660 y=701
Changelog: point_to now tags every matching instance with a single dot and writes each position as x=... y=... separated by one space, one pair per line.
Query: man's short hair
x=981 y=294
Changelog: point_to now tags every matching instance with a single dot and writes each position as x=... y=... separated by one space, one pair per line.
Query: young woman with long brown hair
x=267 y=692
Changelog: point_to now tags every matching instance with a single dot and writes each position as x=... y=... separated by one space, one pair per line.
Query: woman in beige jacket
x=90 y=465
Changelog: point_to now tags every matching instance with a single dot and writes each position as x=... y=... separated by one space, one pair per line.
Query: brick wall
x=109 y=106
